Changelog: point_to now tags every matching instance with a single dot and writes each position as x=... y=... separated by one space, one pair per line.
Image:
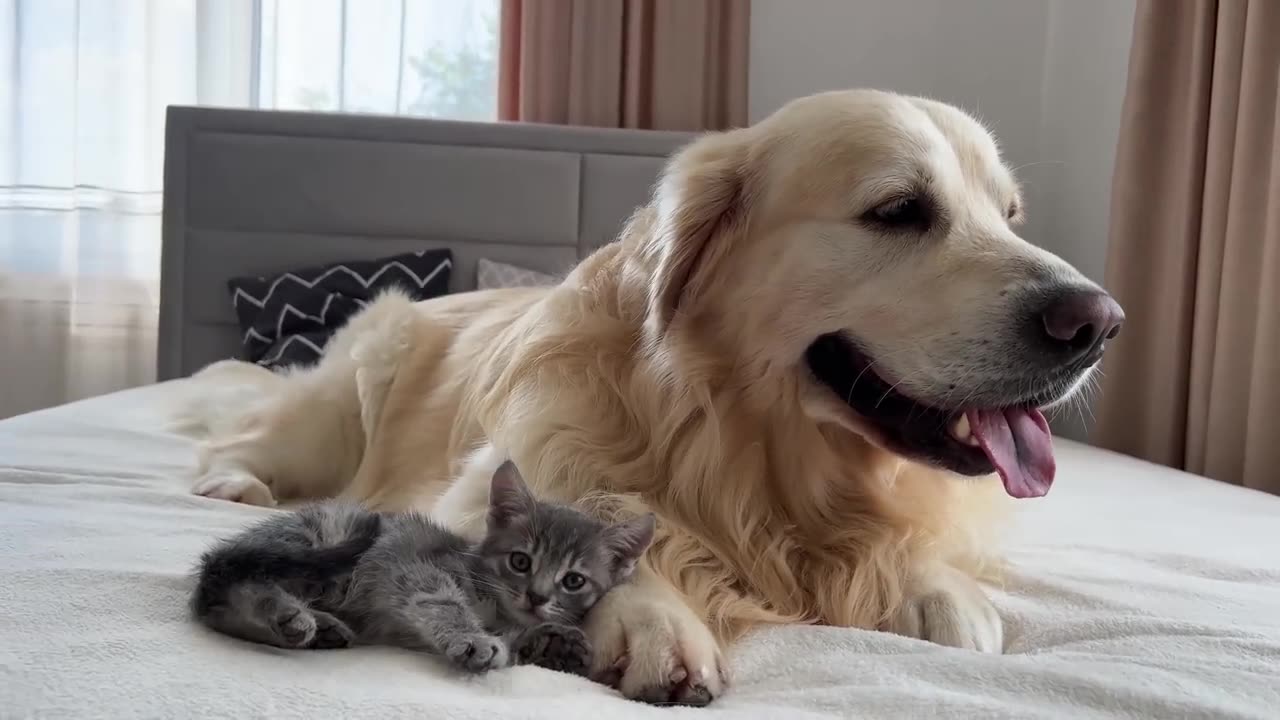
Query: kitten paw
x=295 y=627
x=238 y=487
x=555 y=647
x=478 y=653
x=331 y=633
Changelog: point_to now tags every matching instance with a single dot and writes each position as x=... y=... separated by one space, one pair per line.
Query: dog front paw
x=555 y=647
x=947 y=607
x=654 y=649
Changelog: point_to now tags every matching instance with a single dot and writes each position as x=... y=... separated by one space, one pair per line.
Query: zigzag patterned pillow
x=287 y=319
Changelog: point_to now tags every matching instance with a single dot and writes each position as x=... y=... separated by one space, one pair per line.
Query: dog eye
x=573 y=581
x=519 y=562
x=904 y=213
x=1012 y=212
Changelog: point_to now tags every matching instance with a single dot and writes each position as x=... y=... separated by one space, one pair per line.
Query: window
x=82 y=136
x=430 y=58
x=82 y=144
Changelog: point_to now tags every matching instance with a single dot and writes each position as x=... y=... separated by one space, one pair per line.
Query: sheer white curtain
x=83 y=90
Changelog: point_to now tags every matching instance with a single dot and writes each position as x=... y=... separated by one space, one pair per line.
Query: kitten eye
x=573 y=581
x=519 y=562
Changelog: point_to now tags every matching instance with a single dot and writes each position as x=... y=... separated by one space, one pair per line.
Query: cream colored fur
x=667 y=373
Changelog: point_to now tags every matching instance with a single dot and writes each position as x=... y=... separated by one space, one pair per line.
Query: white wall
x=1048 y=76
x=944 y=49
x=1086 y=67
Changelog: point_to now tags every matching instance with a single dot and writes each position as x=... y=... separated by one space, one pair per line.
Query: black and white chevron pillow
x=287 y=319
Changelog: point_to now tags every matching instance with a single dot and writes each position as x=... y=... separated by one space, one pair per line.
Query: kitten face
x=553 y=562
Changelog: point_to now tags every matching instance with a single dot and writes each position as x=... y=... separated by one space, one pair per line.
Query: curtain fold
x=80 y=180
x=1194 y=381
x=651 y=64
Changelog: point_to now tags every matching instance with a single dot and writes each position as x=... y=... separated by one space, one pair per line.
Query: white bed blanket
x=1135 y=591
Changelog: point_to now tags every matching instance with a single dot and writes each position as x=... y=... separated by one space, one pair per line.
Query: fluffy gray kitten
x=332 y=574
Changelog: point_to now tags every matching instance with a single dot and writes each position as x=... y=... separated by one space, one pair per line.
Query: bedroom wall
x=1047 y=76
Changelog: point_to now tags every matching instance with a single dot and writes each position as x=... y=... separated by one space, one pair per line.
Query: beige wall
x=1047 y=76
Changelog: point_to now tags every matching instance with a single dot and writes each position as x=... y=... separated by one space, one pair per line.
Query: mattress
x=1134 y=591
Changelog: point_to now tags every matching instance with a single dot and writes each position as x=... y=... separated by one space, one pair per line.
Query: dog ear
x=700 y=199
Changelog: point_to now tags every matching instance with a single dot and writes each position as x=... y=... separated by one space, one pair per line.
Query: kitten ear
x=509 y=496
x=628 y=541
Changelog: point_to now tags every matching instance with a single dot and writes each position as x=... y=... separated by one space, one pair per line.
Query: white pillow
x=492 y=275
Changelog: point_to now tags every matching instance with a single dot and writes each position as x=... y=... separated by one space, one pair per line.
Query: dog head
x=866 y=242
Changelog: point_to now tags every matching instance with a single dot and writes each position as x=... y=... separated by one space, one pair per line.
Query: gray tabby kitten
x=331 y=575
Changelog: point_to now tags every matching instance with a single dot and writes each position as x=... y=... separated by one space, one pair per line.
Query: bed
x=1133 y=590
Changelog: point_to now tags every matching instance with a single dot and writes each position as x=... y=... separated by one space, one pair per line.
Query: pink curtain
x=655 y=64
x=1194 y=380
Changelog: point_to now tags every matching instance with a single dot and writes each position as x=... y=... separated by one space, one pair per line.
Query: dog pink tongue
x=1018 y=443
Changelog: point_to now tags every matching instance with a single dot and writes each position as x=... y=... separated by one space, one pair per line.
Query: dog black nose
x=536 y=600
x=1077 y=321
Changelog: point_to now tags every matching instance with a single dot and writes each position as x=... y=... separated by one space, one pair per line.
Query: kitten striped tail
x=238 y=562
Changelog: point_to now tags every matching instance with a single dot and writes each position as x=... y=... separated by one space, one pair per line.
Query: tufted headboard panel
x=256 y=192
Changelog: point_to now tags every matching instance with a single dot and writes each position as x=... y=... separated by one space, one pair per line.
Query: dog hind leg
x=305 y=435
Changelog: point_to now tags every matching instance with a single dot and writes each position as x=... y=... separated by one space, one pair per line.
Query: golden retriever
x=792 y=355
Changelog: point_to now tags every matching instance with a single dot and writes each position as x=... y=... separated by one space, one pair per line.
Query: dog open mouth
x=1013 y=441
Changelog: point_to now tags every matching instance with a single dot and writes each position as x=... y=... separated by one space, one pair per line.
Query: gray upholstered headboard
x=256 y=193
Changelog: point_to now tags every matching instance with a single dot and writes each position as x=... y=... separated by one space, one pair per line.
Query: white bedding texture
x=1133 y=591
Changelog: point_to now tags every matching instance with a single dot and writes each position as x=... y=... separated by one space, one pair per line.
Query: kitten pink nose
x=535 y=600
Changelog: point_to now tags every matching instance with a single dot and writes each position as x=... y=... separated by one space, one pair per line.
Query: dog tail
x=375 y=341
